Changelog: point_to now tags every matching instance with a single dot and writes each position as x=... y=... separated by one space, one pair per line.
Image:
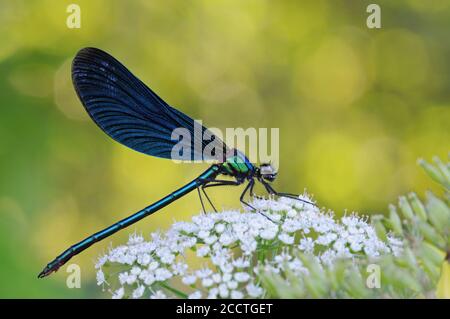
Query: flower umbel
x=234 y=247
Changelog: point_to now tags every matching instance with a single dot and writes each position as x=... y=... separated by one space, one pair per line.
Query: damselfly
x=132 y=114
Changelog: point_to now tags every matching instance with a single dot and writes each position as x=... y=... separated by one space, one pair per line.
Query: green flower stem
x=174 y=290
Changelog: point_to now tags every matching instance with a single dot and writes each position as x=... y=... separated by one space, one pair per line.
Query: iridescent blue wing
x=130 y=112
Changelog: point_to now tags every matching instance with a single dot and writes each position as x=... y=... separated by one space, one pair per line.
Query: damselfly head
x=268 y=172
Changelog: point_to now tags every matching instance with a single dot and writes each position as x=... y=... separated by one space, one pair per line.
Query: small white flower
x=241 y=263
x=355 y=246
x=326 y=239
x=189 y=280
x=225 y=239
x=203 y=234
x=226 y=277
x=158 y=295
x=241 y=276
x=149 y=279
x=207 y=282
x=232 y=284
x=101 y=261
x=275 y=217
x=306 y=244
x=203 y=273
x=144 y=259
x=118 y=294
x=210 y=240
x=220 y=228
x=254 y=290
x=226 y=268
x=396 y=245
x=291 y=225
x=162 y=274
x=283 y=257
x=135 y=270
x=268 y=234
x=285 y=238
x=249 y=246
x=153 y=265
x=240 y=228
x=350 y=221
x=195 y=295
x=135 y=239
x=213 y=292
x=328 y=257
x=291 y=213
x=223 y=291
x=339 y=245
x=138 y=292
x=297 y=266
x=168 y=258
x=126 y=278
x=179 y=268
x=203 y=251
x=236 y=294
x=100 y=277
x=217 y=278
x=189 y=242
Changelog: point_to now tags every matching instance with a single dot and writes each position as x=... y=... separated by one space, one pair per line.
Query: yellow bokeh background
x=355 y=106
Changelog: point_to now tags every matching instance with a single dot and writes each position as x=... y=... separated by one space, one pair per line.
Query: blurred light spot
x=376 y=165
x=295 y=21
x=223 y=96
x=65 y=96
x=220 y=93
x=329 y=163
x=32 y=79
x=134 y=173
x=8 y=47
x=401 y=61
x=333 y=75
x=10 y=210
x=56 y=225
x=61 y=225
x=429 y=6
x=431 y=134
x=10 y=14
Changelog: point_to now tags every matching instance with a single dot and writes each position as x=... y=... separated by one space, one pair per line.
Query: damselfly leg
x=272 y=191
x=249 y=187
x=213 y=183
x=201 y=200
x=246 y=189
x=207 y=198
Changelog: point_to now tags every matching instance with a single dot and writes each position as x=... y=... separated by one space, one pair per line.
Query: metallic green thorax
x=236 y=164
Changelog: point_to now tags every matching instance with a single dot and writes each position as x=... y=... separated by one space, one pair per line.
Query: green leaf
x=443 y=289
x=379 y=227
x=444 y=170
x=433 y=172
x=431 y=234
x=417 y=206
x=438 y=212
x=395 y=221
x=432 y=253
x=405 y=208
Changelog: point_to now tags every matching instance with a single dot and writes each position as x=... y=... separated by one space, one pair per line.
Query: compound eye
x=266 y=170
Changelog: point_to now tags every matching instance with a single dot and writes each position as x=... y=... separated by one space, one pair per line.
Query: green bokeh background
x=355 y=106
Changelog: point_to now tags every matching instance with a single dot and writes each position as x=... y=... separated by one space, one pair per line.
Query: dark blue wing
x=128 y=111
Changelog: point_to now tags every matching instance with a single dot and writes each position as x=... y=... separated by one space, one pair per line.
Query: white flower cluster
x=234 y=247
